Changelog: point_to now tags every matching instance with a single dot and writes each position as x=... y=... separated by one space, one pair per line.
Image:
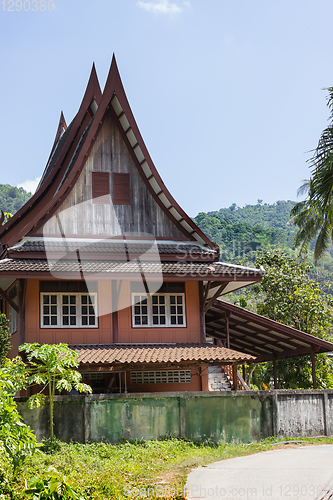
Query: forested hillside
x=241 y=232
x=12 y=198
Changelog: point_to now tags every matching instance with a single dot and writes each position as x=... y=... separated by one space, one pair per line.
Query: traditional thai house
x=104 y=259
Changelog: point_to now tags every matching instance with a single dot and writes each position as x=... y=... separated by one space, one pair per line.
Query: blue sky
x=227 y=95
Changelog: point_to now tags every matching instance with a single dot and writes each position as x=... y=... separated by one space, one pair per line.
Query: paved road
x=304 y=473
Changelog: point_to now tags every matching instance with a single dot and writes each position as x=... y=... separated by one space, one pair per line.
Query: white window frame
x=150 y=305
x=59 y=304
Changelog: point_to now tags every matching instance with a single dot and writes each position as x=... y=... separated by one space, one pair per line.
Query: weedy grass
x=102 y=471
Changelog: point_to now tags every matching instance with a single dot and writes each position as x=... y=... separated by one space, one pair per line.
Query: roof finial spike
x=62 y=121
x=113 y=75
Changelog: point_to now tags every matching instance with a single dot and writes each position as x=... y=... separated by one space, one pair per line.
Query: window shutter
x=101 y=187
x=121 y=189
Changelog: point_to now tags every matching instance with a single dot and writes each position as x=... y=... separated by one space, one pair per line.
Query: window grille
x=161 y=377
x=92 y=376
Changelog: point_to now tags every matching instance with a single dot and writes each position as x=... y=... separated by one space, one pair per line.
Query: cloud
x=30 y=186
x=162 y=6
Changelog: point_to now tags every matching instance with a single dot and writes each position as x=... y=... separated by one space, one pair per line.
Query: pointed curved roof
x=69 y=154
x=66 y=141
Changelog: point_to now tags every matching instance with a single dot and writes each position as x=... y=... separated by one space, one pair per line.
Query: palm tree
x=314 y=215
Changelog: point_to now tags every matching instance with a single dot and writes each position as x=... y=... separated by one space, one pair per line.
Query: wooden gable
x=110 y=197
x=102 y=141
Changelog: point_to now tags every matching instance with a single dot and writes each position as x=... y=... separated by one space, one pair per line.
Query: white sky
x=227 y=94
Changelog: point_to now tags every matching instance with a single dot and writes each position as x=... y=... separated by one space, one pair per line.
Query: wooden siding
x=100 y=335
x=103 y=334
x=143 y=215
x=190 y=333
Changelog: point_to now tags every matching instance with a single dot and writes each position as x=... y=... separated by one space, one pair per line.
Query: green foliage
x=288 y=294
x=51 y=486
x=12 y=198
x=241 y=232
x=314 y=215
x=52 y=366
x=4 y=339
x=17 y=438
x=102 y=471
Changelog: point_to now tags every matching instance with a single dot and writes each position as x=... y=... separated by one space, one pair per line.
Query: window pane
x=179 y=309
x=72 y=299
x=137 y=320
x=173 y=320
x=162 y=299
x=91 y=320
x=72 y=310
x=162 y=320
x=92 y=310
x=155 y=320
x=46 y=320
x=54 y=310
x=172 y=299
x=64 y=309
x=73 y=320
x=180 y=320
x=155 y=309
x=53 y=299
x=54 y=320
x=65 y=299
x=84 y=299
x=173 y=309
x=145 y=320
x=155 y=299
x=162 y=309
x=46 y=299
x=84 y=320
x=179 y=299
x=84 y=310
x=46 y=310
x=65 y=320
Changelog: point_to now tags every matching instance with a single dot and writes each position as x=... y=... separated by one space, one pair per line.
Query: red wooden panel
x=121 y=189
x=101 y=187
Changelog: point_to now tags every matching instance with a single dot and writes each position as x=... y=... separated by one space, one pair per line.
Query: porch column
x=275 y=374
x=115 y=291
x=202 y=314
x=234 y=375
x=227 y=316
x=21 y=314
x=313 y=361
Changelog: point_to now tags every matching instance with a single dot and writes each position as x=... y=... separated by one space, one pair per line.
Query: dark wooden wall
x=79 y=215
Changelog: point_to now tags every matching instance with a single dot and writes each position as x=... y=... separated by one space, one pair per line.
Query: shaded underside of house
x=263 y=338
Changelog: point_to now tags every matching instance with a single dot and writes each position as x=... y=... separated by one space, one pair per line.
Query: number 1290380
x=26 y=5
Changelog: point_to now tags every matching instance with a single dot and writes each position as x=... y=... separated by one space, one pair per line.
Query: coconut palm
x=314 y=215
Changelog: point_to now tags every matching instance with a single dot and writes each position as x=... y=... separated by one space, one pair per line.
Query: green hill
x=12 y=198
x=242 y=232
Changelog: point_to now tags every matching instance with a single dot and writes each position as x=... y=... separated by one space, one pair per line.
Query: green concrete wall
x=233 y=417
